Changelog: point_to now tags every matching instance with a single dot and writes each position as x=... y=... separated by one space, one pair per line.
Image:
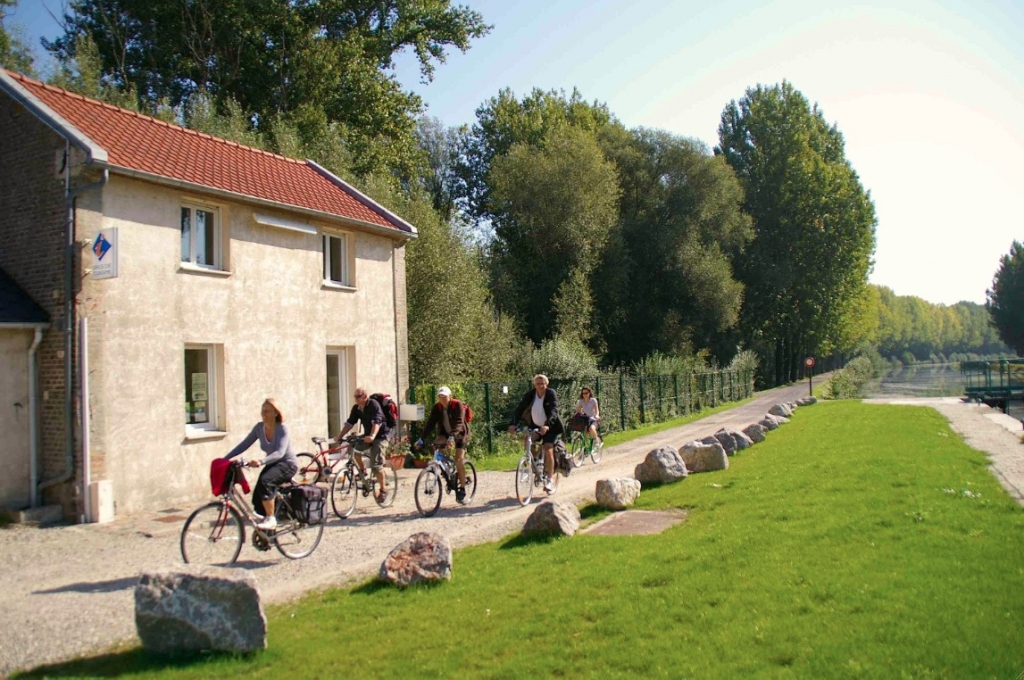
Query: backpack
x=469 y=412
x=390 y=408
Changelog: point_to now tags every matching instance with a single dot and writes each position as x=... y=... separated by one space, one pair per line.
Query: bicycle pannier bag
x=309 y=503
x=562 y=459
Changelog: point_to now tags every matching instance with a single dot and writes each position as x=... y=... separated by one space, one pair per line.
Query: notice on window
x=199 y=387
x=104 y=254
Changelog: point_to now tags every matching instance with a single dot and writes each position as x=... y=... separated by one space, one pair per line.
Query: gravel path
x=68 y=591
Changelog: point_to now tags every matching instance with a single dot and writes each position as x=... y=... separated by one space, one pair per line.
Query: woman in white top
x=587 y=406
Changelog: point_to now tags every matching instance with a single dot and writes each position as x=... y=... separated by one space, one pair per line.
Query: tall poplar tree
x=1005 y=300
x=806 y=269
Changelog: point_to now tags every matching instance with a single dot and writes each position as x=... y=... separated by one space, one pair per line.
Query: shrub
x=848 y=383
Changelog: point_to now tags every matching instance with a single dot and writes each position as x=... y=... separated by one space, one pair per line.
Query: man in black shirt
x=368 y=413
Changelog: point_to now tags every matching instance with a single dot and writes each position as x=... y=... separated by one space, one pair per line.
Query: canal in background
x=926 y=380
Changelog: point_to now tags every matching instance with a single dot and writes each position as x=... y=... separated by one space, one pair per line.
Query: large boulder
x=755 y=431
x=661 y=466
x=425 y=556
x=702 y=457
x=724 y=438
x=618 y=493
x=553 y=518
x=770 y=422
x=807 y=401
x=741 y=439
x=780 y=410
x=192 y=609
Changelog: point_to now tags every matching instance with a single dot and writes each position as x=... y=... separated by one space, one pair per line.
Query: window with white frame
x=200 y=236
x=337 y=268
x=201 y=387
x=338 y=390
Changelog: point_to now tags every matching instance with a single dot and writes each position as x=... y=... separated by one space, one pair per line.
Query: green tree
x=278 y=57
x=1005 y=300
x=806 y=269
x=553 y=204
x=666 y=282
x=14 y=53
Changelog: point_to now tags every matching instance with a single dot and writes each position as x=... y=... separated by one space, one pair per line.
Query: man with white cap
x=448 y=416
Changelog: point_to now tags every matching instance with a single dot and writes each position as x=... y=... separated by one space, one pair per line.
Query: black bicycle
x=351 y=481
x=439 y=476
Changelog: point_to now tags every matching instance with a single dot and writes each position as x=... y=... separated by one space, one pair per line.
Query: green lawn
x=857 y=541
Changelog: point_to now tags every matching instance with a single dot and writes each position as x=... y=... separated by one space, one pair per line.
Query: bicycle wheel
x=343 y=494
x=595 y=452
x=470 y=482
x=213 y=535
x=577 y=450
x=309 y=470
x=390 y=486
x=524 y=480
x=428 y=491
x=292 y=538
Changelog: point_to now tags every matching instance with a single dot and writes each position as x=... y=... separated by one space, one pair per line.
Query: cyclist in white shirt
x=587 y=406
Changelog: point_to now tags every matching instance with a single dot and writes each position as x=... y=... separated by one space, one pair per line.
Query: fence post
x=487 y=418
x=622 y=401
x=675 y=390
x=597 y=388
x=661 y=400
x=643 y=406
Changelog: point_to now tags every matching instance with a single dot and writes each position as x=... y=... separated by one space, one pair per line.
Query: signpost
x=809 y=363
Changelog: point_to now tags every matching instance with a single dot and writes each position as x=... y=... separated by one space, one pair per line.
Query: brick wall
x=32 y=246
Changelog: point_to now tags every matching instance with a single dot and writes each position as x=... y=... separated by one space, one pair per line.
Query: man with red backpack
x=451 y=419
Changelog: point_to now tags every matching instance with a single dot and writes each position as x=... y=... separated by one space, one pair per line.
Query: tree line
x=552 y=237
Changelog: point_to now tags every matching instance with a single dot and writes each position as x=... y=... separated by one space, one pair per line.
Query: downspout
x=83 y=363
x=394 y=308
x=33 y=418
x=69 y=325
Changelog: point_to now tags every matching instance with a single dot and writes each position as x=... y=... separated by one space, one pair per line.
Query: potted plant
x=398 y=453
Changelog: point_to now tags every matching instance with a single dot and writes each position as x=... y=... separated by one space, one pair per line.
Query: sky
x=929 y=95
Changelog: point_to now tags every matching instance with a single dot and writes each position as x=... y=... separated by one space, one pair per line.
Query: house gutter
x=33 y=419
x=69 y=324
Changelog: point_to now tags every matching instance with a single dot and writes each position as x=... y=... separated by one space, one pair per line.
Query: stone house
x=159 y=284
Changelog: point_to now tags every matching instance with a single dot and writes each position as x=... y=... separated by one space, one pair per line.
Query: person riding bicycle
x=540 y=407
x=278 y=467
x=368 y=413
x=588 y=408
x=449 y=417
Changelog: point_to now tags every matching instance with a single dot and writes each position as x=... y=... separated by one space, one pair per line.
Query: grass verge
x=858 y=540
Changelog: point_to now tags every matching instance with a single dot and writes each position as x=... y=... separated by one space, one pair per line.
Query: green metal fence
x=627 y=401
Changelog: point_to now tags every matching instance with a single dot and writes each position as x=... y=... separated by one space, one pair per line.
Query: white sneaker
x=269 y=524
x=548 y=486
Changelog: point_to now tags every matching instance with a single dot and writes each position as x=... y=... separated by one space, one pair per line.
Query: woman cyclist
x=278 y=467
x=588 y=407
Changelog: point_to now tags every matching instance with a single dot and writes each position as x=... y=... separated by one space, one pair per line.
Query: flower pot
x=421 y=462
x=397 y=461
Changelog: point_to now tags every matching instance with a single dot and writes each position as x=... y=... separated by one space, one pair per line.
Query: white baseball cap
x=444 y=391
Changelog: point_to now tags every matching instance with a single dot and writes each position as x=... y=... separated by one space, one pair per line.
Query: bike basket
x=309 y=503
x=579 y=423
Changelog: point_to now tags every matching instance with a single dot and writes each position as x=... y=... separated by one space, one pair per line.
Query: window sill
x=194 y=269
x=330 y=285
x=202 y=435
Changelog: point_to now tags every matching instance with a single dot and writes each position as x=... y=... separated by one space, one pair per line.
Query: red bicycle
x=335 y=463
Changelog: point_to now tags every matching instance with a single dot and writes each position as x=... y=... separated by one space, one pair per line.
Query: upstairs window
x=200 y=237
x=337 y=268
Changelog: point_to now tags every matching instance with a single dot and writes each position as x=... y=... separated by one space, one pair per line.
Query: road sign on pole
x=809 y=363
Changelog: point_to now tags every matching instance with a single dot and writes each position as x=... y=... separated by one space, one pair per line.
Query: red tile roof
x=137 y=142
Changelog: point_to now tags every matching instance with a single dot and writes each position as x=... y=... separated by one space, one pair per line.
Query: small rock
x=769 y=422
x=193 y=609
x=780 y=410
x=661 y=466
x=742 y=440
x=553 y=517
x=755 y=431
x=701 y=457
x=727 y=441
x=425 y=556
x=807 y=401
x=618 y=493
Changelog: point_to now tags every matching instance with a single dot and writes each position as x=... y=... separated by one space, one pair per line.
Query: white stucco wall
x=272 y=317
x=14 y=445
